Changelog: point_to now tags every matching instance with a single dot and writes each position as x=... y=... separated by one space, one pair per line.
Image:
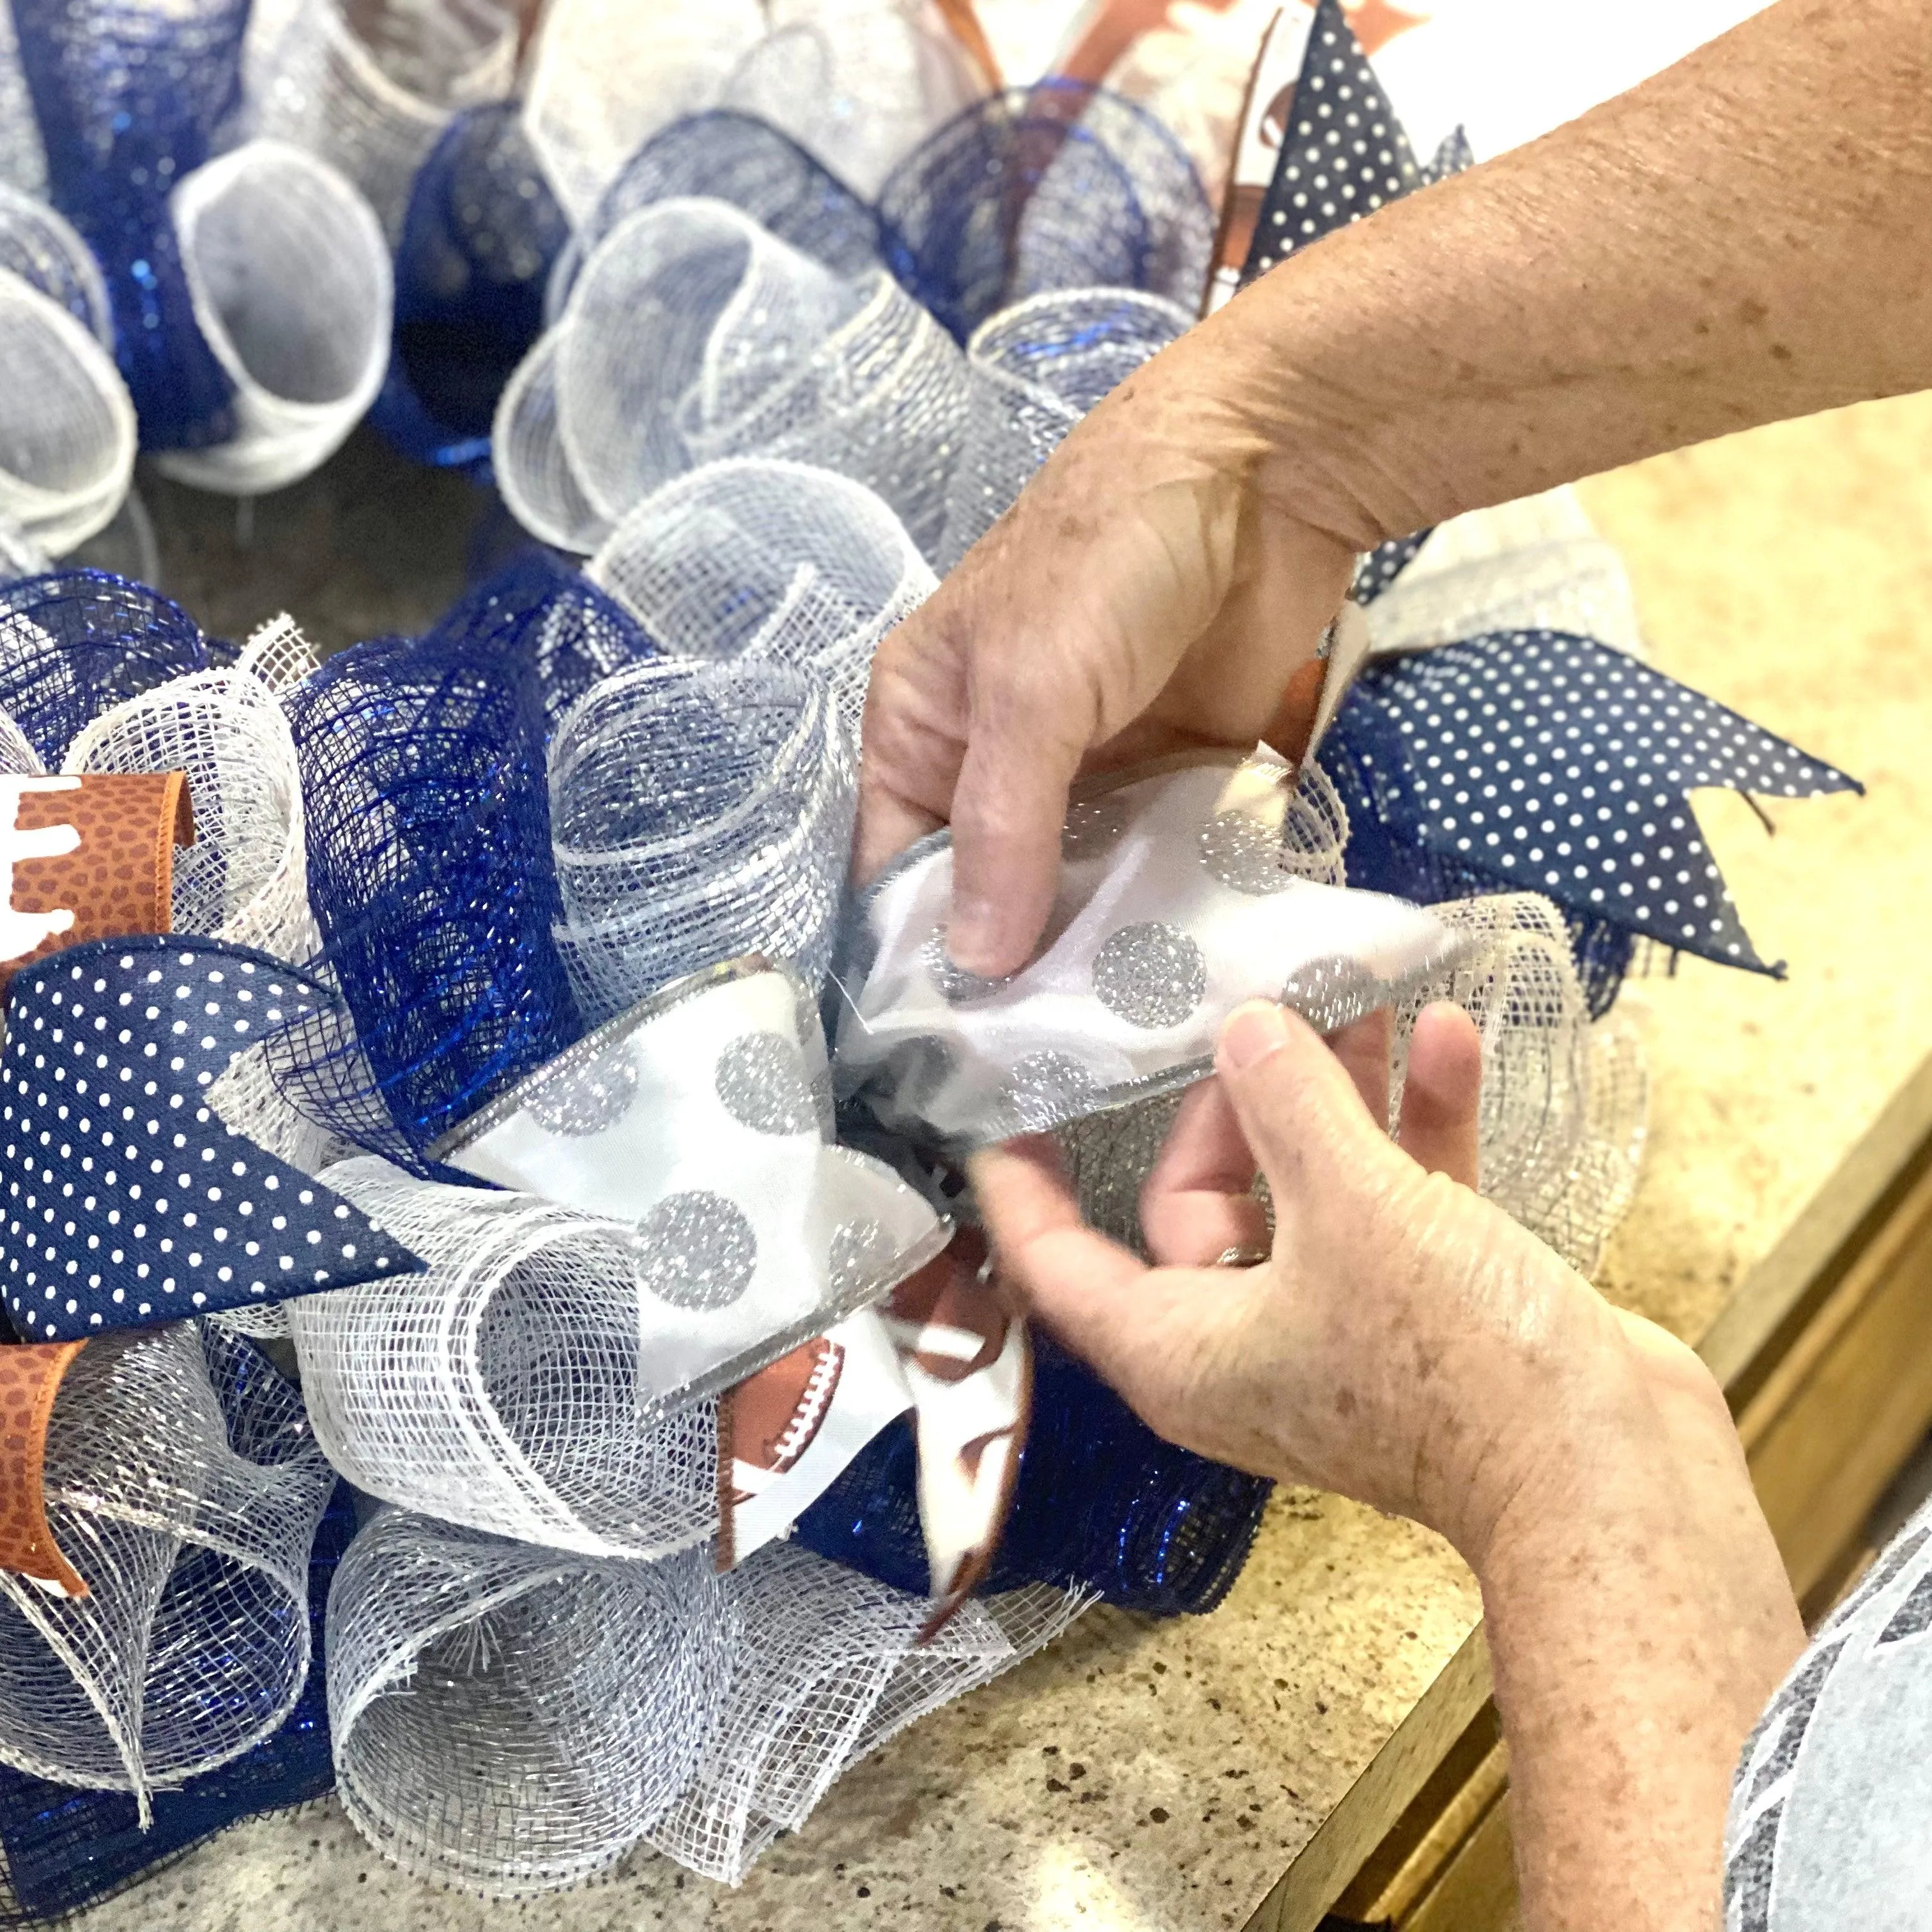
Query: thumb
x=1008 y=809
x=1298 y=1107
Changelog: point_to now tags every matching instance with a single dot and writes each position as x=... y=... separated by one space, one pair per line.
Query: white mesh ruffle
x=292 y=289
x=68 y=432
x=858 y=84
x=1534 y=564
x=1035 y=370
x=182 y=1483
x=606 y=75
x=515 y=1721
x=369 y=90
x=23 y=160
x=691 y=334
x=758 y=560
x=507 y=1388
x=699 y=812
x=1563 y=1099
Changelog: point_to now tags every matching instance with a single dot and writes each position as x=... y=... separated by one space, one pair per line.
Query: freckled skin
x=1741 y=239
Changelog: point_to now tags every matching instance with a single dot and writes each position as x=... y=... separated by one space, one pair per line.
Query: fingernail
x=1252 y=1033
x=972 y=938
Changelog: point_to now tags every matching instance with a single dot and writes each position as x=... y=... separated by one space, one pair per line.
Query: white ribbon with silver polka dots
x=1178 y=900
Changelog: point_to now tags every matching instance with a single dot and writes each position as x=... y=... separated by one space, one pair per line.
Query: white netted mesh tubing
x=858 y=84
x=692 y=334
x=369 y=88
x=1035 y=370
x=182 y=1483
x=1537 y=563
x=1563 y=1099
x=292 y=289
x=756 y=559
x=68 y=431
x=606 y=75
x=699 y=812
x=516 y=1721
x=505 y=1388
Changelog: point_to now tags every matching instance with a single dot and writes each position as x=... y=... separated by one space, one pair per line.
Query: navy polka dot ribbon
x=1552 y=763
x=1344 y=154
x=127 y=1201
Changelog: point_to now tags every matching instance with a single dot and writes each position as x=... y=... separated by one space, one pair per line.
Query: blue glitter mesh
x=60 y=1848
x=540 y=614
x=64 y=1848
x=481 y=235
x=128 y=97
x=1058 y=186
x=76 y=643
x=429 y=872
x=738 y=158
x=1101 y=1501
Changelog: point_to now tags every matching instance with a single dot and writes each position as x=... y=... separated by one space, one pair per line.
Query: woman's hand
x=1144 y=595
x=1405 y=1343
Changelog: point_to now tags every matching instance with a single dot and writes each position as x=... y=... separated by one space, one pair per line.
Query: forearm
x=1639 y=1618
x=1746 y=237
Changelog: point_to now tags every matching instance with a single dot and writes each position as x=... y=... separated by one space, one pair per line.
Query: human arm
x=1741 y=238
x=1409 y=1344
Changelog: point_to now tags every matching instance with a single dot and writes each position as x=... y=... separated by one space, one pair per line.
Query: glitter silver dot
x=590 y=1097
x=762 y=1084
x=1330 y=994
x=1243 y=854
x=1044 y=1090
x=695 y=1250
x=1093 y=827
x=957 y=987
x=1151 y=975
x=862 y=1257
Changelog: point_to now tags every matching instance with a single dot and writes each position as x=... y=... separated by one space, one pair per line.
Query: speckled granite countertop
x=1141 y=1775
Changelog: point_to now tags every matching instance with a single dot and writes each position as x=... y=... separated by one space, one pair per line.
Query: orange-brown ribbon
x=87 y=858
x=30 y=1378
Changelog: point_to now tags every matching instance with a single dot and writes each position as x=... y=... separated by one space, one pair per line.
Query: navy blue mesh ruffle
x=481 y=235
x=128 y=97
x=1058 y=186
x=76 y=643
x=737 y=158
x=1101 y=1501
x=429 y=872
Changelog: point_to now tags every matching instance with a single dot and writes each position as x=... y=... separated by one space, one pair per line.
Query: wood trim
x=1825 y=1354
x=1377 y=1799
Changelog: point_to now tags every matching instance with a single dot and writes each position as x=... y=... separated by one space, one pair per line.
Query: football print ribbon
x=30 y=1378
x=86 y=858
x=127 y=1201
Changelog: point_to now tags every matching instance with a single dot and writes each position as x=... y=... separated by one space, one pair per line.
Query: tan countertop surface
x=1163 y=1776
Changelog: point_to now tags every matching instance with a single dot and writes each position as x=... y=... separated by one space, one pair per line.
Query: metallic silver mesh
x=700 y=812
x=291 y=280
x=761 y=560
x=516 y=1720
x=1035 y=370
x=23 y=160
x=368 y=90
x=182 y=1483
